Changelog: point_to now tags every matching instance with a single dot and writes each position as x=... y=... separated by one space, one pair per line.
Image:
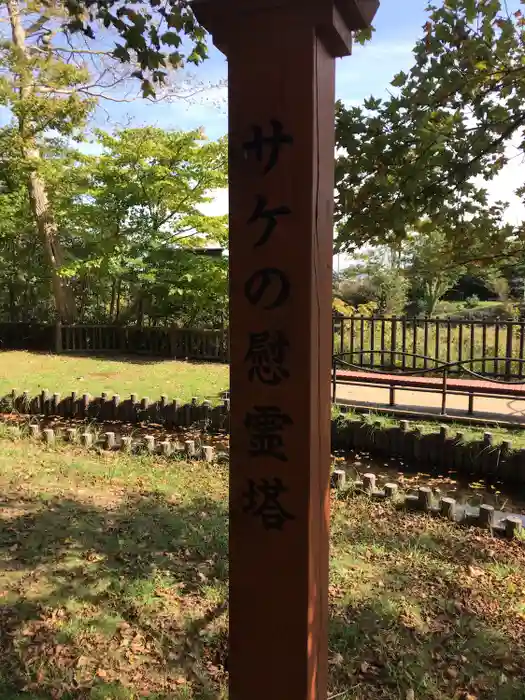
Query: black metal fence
x=345 y=370
x=408 y=344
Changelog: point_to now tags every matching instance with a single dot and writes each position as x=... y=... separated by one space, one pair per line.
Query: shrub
x=341 y=308
x=356 y=291
x=472 y=301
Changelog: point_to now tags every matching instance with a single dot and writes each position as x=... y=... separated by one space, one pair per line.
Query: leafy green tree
x=51 y=79
x=430 y=274
x=39 y=91
x=23 y=285
x=138 y=220
x=155 y=36
x=130 y=226
x=378 y=277
x=449 y=122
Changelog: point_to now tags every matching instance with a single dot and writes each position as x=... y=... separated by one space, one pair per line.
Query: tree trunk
x=47 y=228
x=140 y=313
x=44 y=219
x=430 y=298
x=119 y=288
x=12 y=303
x=113 y=300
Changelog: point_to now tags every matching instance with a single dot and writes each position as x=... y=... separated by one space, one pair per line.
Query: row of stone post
x=126 y=443
x=424 y=501
x=172 y=413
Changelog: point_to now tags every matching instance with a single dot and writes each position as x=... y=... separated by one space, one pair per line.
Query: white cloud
x=219 y=204
x=370 y=70
x=503 y=187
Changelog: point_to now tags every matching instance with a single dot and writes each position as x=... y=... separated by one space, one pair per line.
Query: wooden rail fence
x=178 y=343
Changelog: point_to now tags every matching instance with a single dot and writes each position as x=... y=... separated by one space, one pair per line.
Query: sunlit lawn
x=149 y=377
x=113 y=584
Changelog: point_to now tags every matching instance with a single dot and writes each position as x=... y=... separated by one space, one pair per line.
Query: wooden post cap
x=334 y=20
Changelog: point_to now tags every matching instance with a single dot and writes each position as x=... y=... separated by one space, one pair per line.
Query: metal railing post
x=444 y=394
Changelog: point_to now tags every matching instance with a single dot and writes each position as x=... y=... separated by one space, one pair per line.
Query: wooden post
x=281 y=176
x=58 y=336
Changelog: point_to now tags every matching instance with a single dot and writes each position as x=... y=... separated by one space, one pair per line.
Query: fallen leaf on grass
x=368 y=669
x=337 y=660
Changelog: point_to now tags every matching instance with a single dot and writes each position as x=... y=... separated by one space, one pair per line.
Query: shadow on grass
x=127 y=599
x=425 y=607
x=113 y=602
x=388 y=648
x=138 y=358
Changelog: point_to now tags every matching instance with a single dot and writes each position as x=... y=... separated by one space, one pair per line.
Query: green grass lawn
x=113 y=585
x=152 y=378
x=149 y=377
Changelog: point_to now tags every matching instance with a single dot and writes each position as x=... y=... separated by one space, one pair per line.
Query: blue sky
x=368 y=71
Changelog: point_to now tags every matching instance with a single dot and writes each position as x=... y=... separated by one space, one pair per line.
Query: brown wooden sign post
x=281 y=58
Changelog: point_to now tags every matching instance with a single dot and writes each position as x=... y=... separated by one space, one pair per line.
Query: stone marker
x=447 y=508
x=513 y=526
x=71 y=434
x=86 y=439
x=391 y=490
x=49 y=436
x=126 y=442
x=109 y=441
x=115 y=404
x=165 y=448
x=369 y=482
x=149 y=443
x=189 y=448
x=207 y=453
x=281 y=85
x=424 y=498
x=338 y=479
x=486 y=515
